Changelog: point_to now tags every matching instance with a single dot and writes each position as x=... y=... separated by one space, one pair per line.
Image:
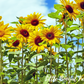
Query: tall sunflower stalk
x=36 y=71
x=1 y=62
x=50 y=62
x=22 y=65
x=55 y=51
x=83 y=40
x=18 y=67
x=66 y=49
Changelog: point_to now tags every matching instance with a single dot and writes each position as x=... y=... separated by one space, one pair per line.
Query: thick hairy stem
x=66 y=49
x=83 y=41
x=22 y=65
x=18 y=73
x=1 y=62
x=36 y=71
x=50 y=62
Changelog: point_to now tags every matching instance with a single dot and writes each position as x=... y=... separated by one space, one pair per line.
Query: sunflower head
x=40 y=59
x=5 y=31
x=70 y=9
x=51 y=35
x=16 y=44
x=34 y=20
x=0 y=17
x=80 y=4
x=22 y=32
x=34 y=41
x=21 y=20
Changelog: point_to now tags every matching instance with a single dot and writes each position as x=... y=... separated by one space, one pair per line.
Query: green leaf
x=32 y=71
x=78 y=60
x=55 y=15
x=4 y=64
x=58 y=7
x=13 y=38
x=14 y=23
x=13 y=83
x=31 y=64
x=10 y=47
x=40 y=68
x=47 y=79
x=43 y=63
x=80 y=82
x=16 y=52
x=12 y=30
x=29 y=75
x=80 y=15
x=66 y=46
x=11 y=56
x=38 y=55
x=72 y=28
x=69 y=22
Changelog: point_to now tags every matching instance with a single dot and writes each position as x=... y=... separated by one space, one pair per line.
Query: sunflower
x=34 y=20
x=14 y=44
x=5 y=31
x=70 y=8
x=21 y=20
x=0 y=17
x=80 y=4
x=62 y=19
x=51 y=35
x=34 y=41
x=53 y=52
x=22 y=32
x=40 y=59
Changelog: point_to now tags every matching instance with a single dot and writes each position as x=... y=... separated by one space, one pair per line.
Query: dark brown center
x=50 y=35
x=16 y=43
x=34 y=22
x=82 y=5
x=69 y=8
x=38 y=40
x=24 y=33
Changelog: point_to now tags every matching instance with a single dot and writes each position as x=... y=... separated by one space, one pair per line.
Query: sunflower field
x=36 y=53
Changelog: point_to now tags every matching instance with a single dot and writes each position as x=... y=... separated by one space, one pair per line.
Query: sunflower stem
x=22 y=64
x=83 y=41
x=18 y=67
x=36 y=71
x=55 y=51
x=66 y=49
x=58 y=63
x=50 y=62
x=1 y=63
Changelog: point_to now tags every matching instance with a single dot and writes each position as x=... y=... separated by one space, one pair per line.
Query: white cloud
x=9 y=9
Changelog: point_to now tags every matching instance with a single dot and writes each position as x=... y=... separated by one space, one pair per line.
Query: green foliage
x=54 y=15
x=14 y=23
x=72 y=28
x=29 y=75
x=11 y=56
x=58 y=7
x=78 y=60
x=66 y=46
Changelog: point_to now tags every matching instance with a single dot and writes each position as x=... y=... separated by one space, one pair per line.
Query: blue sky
x=50 y=3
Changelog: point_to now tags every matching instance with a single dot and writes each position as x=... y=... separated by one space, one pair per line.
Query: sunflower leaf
x=14 y=23
x=78 y=60
x=58 y=7
x=54 y=15
x=72 y=28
